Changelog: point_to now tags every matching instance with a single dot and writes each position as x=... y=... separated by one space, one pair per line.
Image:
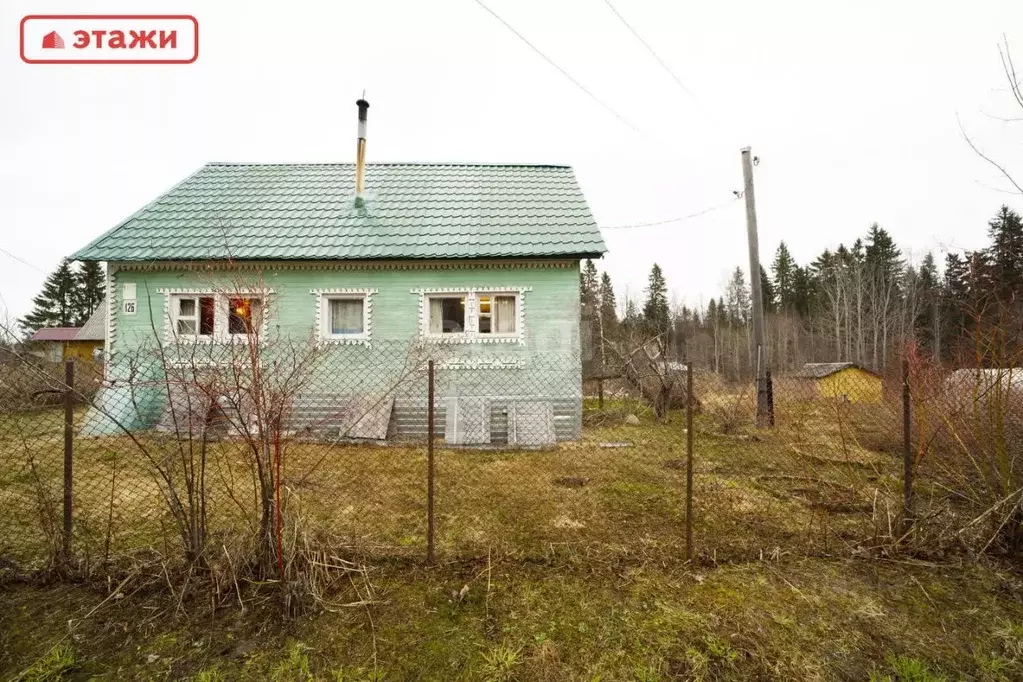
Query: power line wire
x=673 y=220
x=22 y=261
x=564 y=73
x=650 y=49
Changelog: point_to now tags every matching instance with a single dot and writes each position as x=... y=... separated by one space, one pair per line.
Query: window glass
x=504 y=318
x=485 y=316
x=243 y=315
x=497 y=314
x=346 y=316
x=447 y=314
x=206 y=316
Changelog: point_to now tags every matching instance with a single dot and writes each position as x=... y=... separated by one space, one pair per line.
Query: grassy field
x=792 y=490
x=566 y=618
x=553 y=565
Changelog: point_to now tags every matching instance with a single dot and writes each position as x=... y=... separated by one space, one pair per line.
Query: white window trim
x=323 y=317
x=220 y=314
x=472 y=334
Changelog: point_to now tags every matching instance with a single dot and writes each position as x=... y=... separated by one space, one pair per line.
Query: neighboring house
x=84 y=343
x=481 y=261
x=846 y=381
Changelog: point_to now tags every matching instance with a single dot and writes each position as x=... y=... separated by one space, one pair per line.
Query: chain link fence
x=403 y=450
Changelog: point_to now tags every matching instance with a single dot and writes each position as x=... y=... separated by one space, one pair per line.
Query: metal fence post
x=907 y=454
x=69 y=417
x=689 y=461
x=429 y=464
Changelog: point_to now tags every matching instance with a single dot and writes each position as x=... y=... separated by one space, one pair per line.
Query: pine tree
x=738 y=298
x=955 y=301
x=55 y=306
x=1005 y=254
x=928 y=321
x=784 y=267
x=768 y=296
x=608 y=305
x=588 y=288
x=89 y=290
x=882 y=258
x=631 y=317
x=655 y=309
x=802 y=291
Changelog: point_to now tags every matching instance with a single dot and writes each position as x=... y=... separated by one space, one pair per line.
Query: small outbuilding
x=846 y=381
x=84 y=343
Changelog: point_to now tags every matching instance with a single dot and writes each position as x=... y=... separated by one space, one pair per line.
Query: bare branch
x=978 y=152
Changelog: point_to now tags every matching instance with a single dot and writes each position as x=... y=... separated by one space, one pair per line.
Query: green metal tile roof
x=307 y=211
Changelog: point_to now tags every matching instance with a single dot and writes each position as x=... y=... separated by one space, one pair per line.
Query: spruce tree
x=588 y=286
x=882 y=258
x=768 y=296
x=56 y=304
x=784 y=267
x=655 y=309
x=89 y=290
x=1005 y=254
x=608 y=305
x=738 y=298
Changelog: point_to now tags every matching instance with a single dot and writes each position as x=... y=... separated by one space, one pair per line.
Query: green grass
x=573 y=619
x=56 y=664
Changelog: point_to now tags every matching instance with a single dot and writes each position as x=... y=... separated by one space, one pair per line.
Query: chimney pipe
x=360 y=152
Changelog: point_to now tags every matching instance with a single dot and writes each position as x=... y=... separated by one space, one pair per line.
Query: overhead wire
x=22 y=260
x=650 y=49
x=607 y=107
x=677 y=219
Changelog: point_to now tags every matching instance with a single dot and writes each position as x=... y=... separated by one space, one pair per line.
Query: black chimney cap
x=363 y=106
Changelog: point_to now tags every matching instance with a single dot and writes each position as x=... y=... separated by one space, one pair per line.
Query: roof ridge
x=458 y=164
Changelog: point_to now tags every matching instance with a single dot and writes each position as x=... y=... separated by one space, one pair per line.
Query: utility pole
x=760 y=357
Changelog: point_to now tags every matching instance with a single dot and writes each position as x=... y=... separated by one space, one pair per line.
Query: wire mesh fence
x=256 y=455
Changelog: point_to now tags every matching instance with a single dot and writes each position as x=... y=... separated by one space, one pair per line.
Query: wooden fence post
x=69 y=422
x=907 y=453
x=429 y=464
x=689 y=461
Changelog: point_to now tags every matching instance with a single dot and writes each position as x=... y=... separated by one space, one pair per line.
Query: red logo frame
x=189 y=17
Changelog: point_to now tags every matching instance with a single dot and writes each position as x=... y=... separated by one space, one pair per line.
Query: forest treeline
x=861 y=303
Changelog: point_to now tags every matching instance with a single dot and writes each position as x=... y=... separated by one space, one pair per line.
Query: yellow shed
x=81 y=343
x=845 y=381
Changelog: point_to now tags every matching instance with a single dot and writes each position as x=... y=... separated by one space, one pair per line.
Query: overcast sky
x=851 y=107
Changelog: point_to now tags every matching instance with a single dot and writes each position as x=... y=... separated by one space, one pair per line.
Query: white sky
x=851 y=107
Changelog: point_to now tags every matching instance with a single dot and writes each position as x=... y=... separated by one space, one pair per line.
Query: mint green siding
x=551 y=307
x=545 y=365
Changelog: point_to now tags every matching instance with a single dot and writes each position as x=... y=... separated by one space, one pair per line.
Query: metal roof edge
x=461 y=164
x=97 y=240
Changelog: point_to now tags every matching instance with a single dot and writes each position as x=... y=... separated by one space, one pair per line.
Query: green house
x=477 y=264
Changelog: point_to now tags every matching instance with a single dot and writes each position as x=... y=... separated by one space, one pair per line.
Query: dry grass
x=795 y=489
x=553 y=565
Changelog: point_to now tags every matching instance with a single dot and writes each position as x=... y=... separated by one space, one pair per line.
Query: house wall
x=856 y=384
x=544 y=365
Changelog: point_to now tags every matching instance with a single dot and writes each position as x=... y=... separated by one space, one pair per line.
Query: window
x=194 y=316
x=447 y=314
x=497 y=314
x=244 y=315
x=345 y=316
x=212 y=316
x=472 y=315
